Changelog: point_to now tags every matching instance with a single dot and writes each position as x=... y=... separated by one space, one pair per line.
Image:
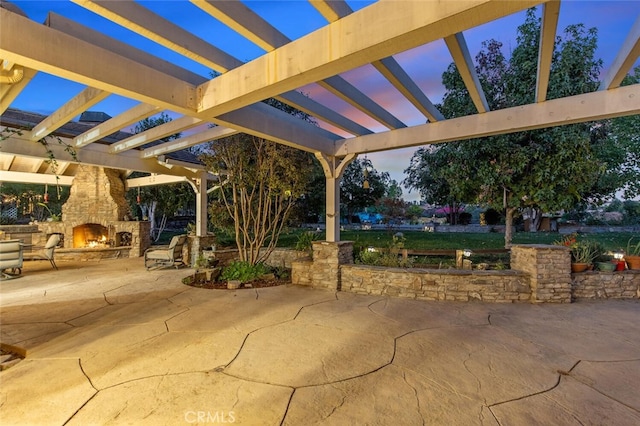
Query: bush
x=243 y=271
x=492 y=217
x=464 y=218
x=389 y=256
x=305 y=241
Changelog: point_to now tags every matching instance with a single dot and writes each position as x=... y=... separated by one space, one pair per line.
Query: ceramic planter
x=606 y=266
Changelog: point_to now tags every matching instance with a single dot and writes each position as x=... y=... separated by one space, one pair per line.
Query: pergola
x=232 y=100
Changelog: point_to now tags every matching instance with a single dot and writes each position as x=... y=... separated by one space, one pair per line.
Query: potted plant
x=583 y=254
x=605 y=263
x=632 y=255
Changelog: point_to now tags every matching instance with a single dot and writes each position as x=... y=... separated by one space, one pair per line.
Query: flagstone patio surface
x=110 y=343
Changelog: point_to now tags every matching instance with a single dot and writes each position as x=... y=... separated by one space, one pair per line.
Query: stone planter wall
x=437 y=284
x=324 y=270
x=549 y=267
x=606 y=285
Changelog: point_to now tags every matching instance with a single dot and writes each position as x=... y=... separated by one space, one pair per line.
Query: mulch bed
x=222 y=285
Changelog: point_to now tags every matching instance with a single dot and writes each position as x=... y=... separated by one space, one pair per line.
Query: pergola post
x=333 y=168
x=200 y=188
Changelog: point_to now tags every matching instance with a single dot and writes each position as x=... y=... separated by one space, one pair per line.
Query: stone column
x=324 y=270
x=549 y=268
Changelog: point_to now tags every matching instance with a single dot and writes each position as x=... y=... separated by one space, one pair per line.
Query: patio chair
x=47 y=252
x=10 y=259
x=166 y=256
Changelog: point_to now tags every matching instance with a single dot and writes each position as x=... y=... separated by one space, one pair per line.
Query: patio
x=108 y=342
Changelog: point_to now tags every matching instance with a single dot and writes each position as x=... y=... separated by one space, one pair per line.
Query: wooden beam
x=244 y=21
x=45 y=49
x=557 y=112
x=94 y=154
x=332 y=10
x=212 y=134
x=38 y=178
x=348 y=93
x=141 y=20
x=393 y=72
x=133 y=115
x=460 y=53
x=80 y=103
x=625 y=59
x=155 y=133
x=154 y=180
x=550 y=14
x=9 y=92
x=374 y=32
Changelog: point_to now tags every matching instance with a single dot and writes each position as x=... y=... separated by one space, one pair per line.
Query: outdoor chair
x=10 y=259
x=166 y=256
x=47 y=252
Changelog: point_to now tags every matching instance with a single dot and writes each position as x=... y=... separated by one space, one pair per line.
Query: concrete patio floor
x=110 y=343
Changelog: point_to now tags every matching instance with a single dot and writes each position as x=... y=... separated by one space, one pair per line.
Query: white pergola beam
x=54 y=52
x=331 y=10
x=574 y=109
x=349 y=93
x=133 y=115
x=9 y=92
x=155 y=133
x=80 y=103
x=315 y=109
x=550 y=14
x=130 y=15
x=253 y=27
x=625 y=59
x=245 y=22
x=460 y=53
x=94 y=154
x=374 y=32
x=264 y=121
x=212 y=134
x=153 y=180
x=89 y=35
x=393 y=72
x=37 y=178
x=388 y=67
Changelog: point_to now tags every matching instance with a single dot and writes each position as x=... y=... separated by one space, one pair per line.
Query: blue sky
x=613 y=19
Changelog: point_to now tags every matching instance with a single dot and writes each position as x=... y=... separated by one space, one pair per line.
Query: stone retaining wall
x=606 y=285
x=445 y=284
x=539 y=274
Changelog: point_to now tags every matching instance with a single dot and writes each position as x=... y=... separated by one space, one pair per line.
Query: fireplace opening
x=91 y=235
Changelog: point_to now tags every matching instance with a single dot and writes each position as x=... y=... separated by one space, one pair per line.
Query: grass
x=418 y=240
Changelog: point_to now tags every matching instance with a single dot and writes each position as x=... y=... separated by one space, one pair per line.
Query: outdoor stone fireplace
x=94 y=218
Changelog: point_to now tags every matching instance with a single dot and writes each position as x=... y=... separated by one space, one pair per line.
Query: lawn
x=418 y=240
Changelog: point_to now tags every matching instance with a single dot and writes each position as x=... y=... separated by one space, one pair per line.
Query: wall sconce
x=467 y=253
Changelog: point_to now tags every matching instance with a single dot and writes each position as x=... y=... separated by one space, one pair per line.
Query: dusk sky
x=425 y=65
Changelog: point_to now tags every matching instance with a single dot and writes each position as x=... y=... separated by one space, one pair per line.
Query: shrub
x=305 y=241
x=492 y=216
x=243 y=271
x=389 y=256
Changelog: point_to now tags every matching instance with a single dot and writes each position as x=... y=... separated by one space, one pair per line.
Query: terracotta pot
x=633 y=262
x=579 y=267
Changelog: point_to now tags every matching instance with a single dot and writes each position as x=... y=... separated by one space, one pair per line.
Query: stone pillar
x=196 y=245
x=549 y=268
x=324 y=270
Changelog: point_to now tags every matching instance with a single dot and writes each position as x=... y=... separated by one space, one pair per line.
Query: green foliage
x=305 y=241
x=632 y=250
x=390 y=256
x=354 y=197
x=583 y=251
x=243 y=271
x=547 y=169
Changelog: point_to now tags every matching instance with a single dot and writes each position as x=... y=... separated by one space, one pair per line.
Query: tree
x=354 y=196
x=261 y=181
x=157 y=203
x=392 y=207
x=540 y=170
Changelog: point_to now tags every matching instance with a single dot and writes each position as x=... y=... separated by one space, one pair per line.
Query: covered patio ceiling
x=231 y=101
